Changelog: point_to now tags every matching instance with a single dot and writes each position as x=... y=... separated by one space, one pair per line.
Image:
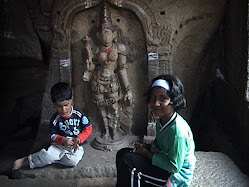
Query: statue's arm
x=122 y=69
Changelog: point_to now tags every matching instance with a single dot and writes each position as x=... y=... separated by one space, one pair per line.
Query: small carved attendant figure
x=106 y=70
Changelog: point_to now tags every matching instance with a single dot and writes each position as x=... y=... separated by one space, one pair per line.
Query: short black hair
x=175 y=93
x=60 y=92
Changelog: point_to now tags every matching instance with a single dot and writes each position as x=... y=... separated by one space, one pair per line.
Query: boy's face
x=64 y=107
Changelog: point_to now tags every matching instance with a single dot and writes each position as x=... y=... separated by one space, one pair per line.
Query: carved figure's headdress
x=105 y=19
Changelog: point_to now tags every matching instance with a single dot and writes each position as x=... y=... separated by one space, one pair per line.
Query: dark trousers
x=126 y=161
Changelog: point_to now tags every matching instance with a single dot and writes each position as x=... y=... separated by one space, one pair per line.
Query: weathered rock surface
x=97 y=168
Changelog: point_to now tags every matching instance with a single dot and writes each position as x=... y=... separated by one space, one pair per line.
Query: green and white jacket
x=174 y=151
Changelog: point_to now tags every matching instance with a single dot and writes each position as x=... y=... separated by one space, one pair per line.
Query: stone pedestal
x=110 y=144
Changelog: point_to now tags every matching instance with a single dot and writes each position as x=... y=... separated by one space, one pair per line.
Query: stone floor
x=97 y=168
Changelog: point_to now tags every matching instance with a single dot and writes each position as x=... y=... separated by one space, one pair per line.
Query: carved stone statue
x=106 y=70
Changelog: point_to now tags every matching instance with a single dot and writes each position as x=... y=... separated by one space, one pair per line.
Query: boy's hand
x=67 y=142
x=76 y=144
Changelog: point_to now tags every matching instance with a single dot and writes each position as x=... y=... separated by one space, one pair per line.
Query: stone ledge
x=41 y=182
x=217 y=169
x=213 y=169
x=95 y=163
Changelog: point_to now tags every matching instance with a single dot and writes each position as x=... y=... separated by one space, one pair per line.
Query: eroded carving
x=190 y=20
x=60 y=40
x=160 y=35
x=72 y=8
x=116 y=2
x=105 y=69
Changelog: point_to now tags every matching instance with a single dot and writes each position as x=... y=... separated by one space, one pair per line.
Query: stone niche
x=130 y=33
x=160 y=37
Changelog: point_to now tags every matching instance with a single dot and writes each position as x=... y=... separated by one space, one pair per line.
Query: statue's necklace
x=107 y=49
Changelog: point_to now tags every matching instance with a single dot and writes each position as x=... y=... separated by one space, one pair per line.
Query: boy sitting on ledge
x=69 y=128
